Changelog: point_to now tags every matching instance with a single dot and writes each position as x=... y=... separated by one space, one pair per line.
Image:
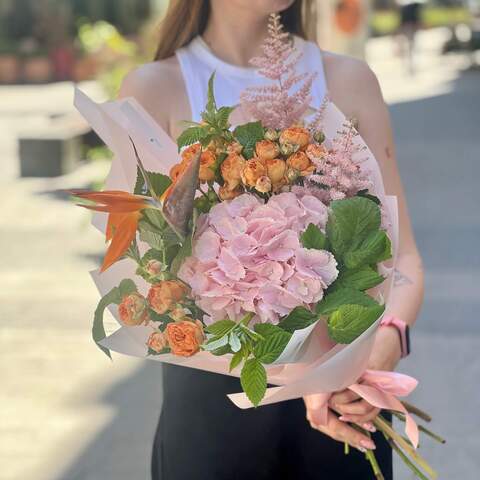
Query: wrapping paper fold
x=311 y=363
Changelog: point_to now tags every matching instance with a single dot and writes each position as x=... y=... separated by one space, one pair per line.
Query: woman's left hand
x=385 y=355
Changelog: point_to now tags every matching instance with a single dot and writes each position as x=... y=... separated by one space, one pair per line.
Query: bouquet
x=263 y=250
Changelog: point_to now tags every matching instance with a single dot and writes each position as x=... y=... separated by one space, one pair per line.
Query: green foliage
x=248 y=135
x=297 y=319
x=191 y=135
x=220 y=328
x=158 y=181
x=345 y=295
x=269 y=349
x=114 y=296
x=374 y=249
x=253 y=379
x=350 y=321
x=361 y=278
x=313 y=237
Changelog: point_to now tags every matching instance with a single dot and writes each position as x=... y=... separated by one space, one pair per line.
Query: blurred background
x=67 y=413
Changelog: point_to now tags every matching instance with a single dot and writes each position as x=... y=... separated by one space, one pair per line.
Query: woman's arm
x=355 y=90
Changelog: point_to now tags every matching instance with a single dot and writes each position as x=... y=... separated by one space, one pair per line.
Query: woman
x=201 y=435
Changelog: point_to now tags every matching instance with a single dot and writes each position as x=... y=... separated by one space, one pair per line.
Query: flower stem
x=423 y=429
x=405 y=459
x=346 y=448
x=373 y=462
x=416 y=411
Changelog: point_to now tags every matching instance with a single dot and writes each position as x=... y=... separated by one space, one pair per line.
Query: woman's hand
x=385 y=356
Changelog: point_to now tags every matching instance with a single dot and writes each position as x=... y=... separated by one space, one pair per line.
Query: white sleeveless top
x=197 y=63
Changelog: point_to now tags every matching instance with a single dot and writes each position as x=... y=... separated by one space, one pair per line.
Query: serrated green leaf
x=223 y=115
x=191 y=135
x=154 y=240
x=371 y=251
x=313 y=237
x=211 y=105
x=343 y=296
x=215 y=342
x=126 y=287
x=359 y=279
x=297 y=319
x=373 y=198
x=162 y=318
x=236 y=360
x=350 y=222
x=234 y=342
x=268 y=350
x=158 y=181
x=253 y=379
x=248 y=135
x=154 y=217
x=220 y=328
x=350 y=321
x=266 y=329
x=221 y=351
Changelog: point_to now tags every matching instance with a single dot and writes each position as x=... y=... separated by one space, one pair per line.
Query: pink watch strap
x=402 y=329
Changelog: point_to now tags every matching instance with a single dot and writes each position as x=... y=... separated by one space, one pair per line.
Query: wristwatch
x=402 y=329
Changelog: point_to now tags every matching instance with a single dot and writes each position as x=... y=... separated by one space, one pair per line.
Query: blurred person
x=201 y=434
x=410 y=22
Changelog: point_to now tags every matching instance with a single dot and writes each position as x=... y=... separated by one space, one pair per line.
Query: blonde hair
x=184 y=20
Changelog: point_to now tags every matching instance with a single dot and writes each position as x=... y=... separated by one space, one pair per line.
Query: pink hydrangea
x=247 y=257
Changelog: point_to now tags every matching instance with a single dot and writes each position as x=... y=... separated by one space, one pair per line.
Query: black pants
x=203 y=436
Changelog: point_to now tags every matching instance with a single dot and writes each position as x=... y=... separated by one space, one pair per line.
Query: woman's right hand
x=334 y=427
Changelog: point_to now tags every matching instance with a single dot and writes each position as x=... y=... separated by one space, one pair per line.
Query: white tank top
x=197 y=63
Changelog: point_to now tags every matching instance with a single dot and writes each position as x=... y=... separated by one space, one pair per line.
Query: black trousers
x=202 y=436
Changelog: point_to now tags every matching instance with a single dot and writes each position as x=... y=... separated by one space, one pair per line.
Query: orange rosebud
x=133 y=310
x=157 y=341
x=266 y=149
x=163 y=295
x=234 y=147
x=225 y=193
x=178 y=314
x=231 y=170
x=299 y=161
x=185 y=337
x=315 y=151
x=296 y=135
x=207 y=164
x=253 y=170
x=264 y=184
x=275 y=169
x=154 y=267
x=189 y=153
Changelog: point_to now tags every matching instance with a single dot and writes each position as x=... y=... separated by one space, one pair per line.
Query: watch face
x=407 y=336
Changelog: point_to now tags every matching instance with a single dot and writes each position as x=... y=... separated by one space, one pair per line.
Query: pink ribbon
x=381 y=390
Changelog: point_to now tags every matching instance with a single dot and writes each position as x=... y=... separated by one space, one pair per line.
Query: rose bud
x=154 y=267
x=185 y=337
x=315 y=152
x=264 y=184
x=207 y=165
x=299 y=161
x=189 y=153
x=234 y=147
x=178 y=314
x=231 y=170
x=266 y=149
x=163 y=295
x=296 y=135
x=253 y=170
x=133 y=310
x=319 y=136
x=287 y=149
x=271 y=134
x=226 y=194
x=157 y=341
x=292 y=174
x=275 y=169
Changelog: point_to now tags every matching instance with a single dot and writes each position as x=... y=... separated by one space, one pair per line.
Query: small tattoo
x=400 y=279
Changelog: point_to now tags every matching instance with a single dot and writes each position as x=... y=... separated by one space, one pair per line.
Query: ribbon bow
x=381 y=390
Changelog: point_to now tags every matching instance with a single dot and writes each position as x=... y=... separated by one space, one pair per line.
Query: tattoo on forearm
x=400 y=279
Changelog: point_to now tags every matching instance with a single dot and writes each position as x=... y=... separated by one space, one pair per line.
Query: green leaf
x=313 y=237
x=361 y=278
x=222 y=116
x=253 y=379
x=248 y=135
x=215 y=342
x=374 y=249
x=268 y=350
x=115 y=296
x=211 y=106
x=267 y=329
x=154 y=240
x=158 y=181
x=161 y=352
x=220 y=328
x=342 y=296
x=297 y=319
x=236 y=360
x=234 y=342
x=350 y=222
x=191 y=135
x=162 y=318
x=221 y=351
x=350 y=321
x=184 y=252
x=373 y=198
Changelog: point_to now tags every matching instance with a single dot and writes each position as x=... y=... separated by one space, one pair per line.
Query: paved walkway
x=69 y=414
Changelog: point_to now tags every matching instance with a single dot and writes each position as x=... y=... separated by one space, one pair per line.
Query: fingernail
x=344 y=418
x=367 y=444
x=369 y=426
x=363 y=450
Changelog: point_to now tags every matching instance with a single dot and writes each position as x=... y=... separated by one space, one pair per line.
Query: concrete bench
x=53 y=149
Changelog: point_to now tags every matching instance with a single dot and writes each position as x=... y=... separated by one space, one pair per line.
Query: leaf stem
x=416 y=411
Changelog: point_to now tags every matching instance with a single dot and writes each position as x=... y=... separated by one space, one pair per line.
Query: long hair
x=184 y=20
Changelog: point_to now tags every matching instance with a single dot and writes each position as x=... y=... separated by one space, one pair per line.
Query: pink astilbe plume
x=275 y=105
x=337 y=171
